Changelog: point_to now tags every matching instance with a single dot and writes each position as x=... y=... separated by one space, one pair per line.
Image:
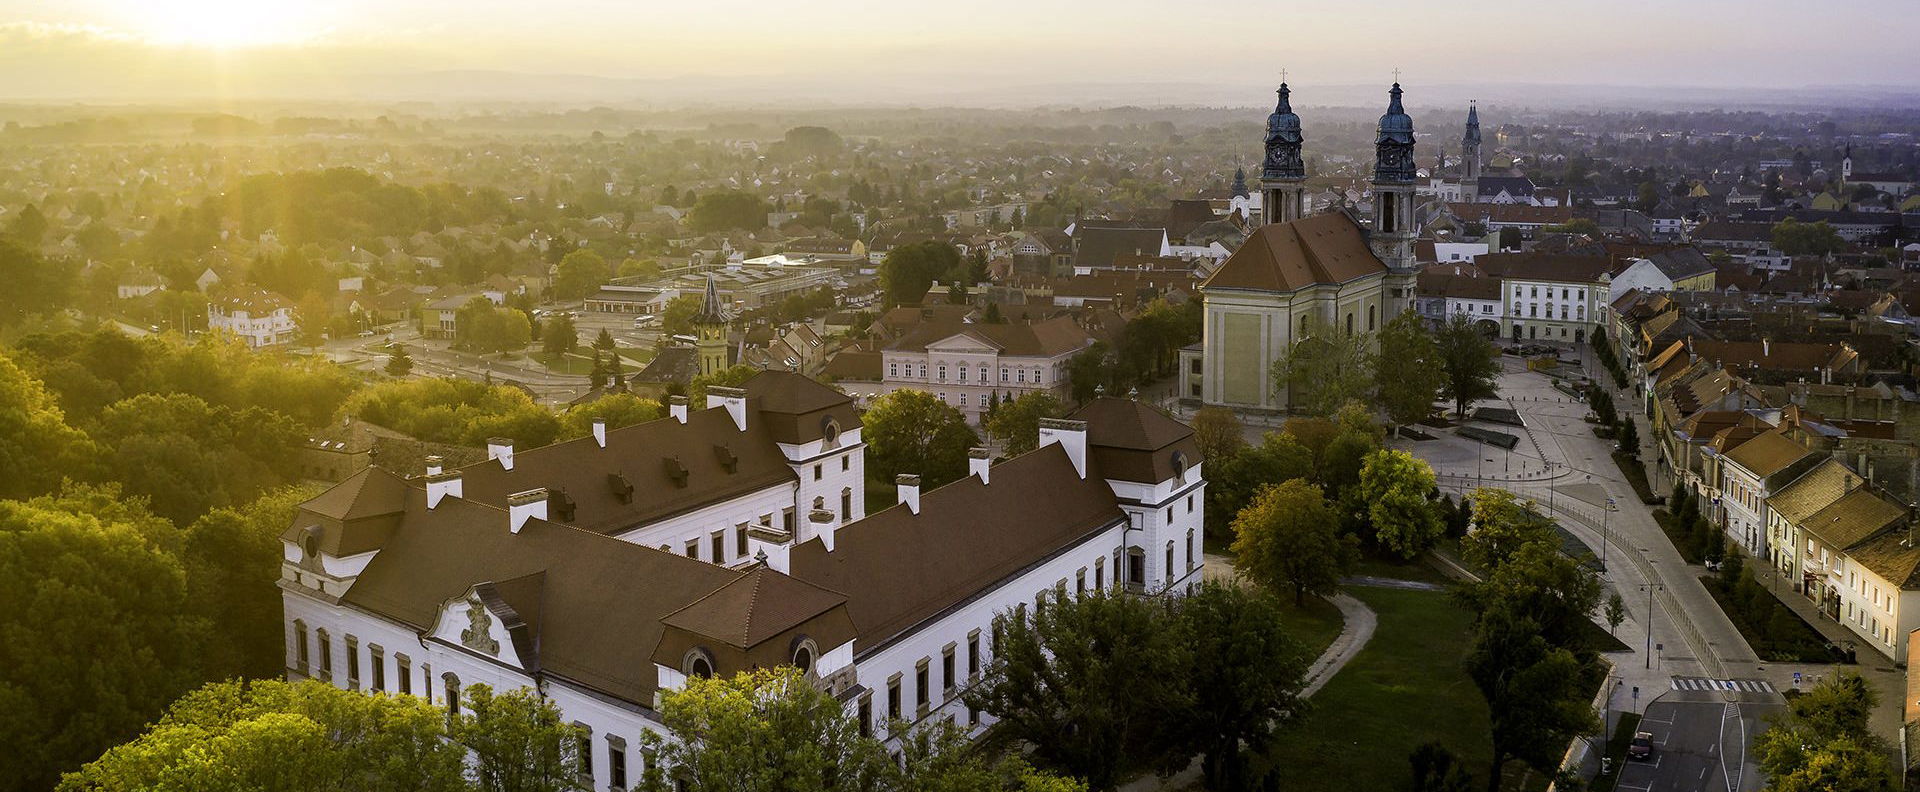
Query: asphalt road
x=1701 y=743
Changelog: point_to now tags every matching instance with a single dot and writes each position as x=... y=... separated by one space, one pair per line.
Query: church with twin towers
x=1300 y=275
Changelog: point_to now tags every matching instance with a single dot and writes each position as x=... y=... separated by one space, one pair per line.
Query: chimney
x=502 y=449
x=433 y=466
x=979 y=461
x=677 y=407
x=821 y=522
x=1071 y=435
x=440 y=485
x=908 y=485
x=734 y=399
x=600 y=432
x=523 y=505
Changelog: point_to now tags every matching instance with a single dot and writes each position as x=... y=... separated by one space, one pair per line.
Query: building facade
x=260 y=318
x=968 y=364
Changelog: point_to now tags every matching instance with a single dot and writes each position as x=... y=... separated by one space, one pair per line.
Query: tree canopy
x=1470 y=364
x=909 y=270
x=1289 y=539
x=910 y=431
x=1410 y=374
x=1017 y=422
x=451 y=410
x=1326 y=368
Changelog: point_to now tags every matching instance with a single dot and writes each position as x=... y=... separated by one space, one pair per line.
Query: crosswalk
x=1732 y=685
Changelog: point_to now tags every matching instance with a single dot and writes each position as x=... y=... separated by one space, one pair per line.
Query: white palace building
x=607 y=569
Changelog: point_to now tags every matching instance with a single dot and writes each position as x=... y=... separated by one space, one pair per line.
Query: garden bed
x=1636 y=474
x=1776 y=633
x=1488 y=436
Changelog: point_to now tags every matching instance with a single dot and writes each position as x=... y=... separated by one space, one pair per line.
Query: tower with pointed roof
x=1470 y=150
x=1283 y=175
x=1393 y=211
x=710 y=331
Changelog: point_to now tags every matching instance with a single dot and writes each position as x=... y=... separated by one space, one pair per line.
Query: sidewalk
x=1828 y=628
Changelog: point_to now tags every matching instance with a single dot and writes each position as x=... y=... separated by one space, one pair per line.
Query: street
x=1700 y=744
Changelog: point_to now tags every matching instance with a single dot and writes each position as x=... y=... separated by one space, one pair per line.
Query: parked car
x=1641 y=747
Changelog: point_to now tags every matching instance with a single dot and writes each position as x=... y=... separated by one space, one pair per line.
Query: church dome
x=1283 y=118
x=1395 y=125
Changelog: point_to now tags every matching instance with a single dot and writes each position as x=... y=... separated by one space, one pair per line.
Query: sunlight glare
x=224 y=23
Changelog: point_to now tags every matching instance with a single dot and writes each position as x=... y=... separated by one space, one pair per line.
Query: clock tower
x=1393 y=211
x=1283 y=176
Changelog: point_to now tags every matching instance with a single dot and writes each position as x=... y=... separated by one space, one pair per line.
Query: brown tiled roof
x=759 y=605
x=859 y=365
x=1767 y=453
x=898 y=568
x=614 y=593
x=1891 y=557
x=1511 y=213
x=1556 y=267
x=1466 y=287
x=1853 y=518
x=1284 y=257
x=1132 y=441
x=1813 y=491
x=1045 y=338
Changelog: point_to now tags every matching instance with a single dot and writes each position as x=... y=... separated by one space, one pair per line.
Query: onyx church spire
x=1393 y=210
x=1470 y=146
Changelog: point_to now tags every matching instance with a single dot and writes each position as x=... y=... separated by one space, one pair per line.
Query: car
x=1641 y=747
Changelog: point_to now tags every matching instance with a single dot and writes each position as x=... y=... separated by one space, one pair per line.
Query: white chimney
x=1766 y=347
x=502 y=449
x=600 y=432
x=1071 y=435
x=734 y=399
x=433 y=466
x=979 y=461
x=524 y=505
x=440 y=485
x=908 y=486
x=677 y=407
x=823 y=523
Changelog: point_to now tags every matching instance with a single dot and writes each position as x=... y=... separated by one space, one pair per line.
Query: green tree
x=1084 y=681
x=727 y=210
x=451 y=410
x=579 y=274
x=1394 y=486
x=1412 y=378
x=1616 y=612
x=1017 y=422
x=187 y=456
x=272 y=735
x=233 y=558
x=1551 y=591
x=29 y=227
x=909 y=431
x=619 y=409
x=1469 y=363
x=1246 y=676
x=730 y=377
x=1794 y=238
x=560 y=336
x=1325 y=368
x=641 y=269
x=1824 y=741
x=676 y=317
x=100 y=631
x=1288 y=539
x=1502 y=524
x=909 y=270
x=1219 y=434
x=1090 y=371
x=399 y=363
x=1232 y=482
x=1537 y=694
x=37 y=447
x=518 y=742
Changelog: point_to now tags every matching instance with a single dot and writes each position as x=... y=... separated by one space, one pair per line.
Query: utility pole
x=1650 y=588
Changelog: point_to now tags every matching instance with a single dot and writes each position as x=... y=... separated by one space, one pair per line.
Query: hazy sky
x=122 y=48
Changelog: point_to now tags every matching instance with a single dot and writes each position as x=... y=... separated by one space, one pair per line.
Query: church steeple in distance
x=1283 y=174
x=1393 y=145
x=1470 y=145
x=710 y=331
x=1393 y=212
x=1239 y=183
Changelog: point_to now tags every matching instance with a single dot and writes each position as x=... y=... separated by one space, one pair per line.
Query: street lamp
x=1650 y=588
x=1605 y=533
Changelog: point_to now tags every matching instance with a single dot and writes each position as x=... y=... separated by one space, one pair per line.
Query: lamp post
x=1650 y=588
x=1605 y=533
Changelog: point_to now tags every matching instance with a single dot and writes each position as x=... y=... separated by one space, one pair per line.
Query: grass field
x=1405 y=688
x=1314 y=624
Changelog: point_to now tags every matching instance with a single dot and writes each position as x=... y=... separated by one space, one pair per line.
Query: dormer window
x=699 y=663
x=1180 y=465
x=804 y=654
x=829 y=432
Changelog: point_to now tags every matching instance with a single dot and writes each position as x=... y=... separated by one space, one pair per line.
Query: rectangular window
x=963 y=373
x=583 y=756
x=963 y=400
x=693 y=548
x=616 y=762
x=1100 y=573
x=740 y=540
x=718 y=541
x=426 y=681
x=946 y=670
x=353 y=663
x=1003 y=374
x=893 y=697
x=1189 y=504
x=403 y=673
x=786 y=519
x=846 y=463
x=1080 y=581
x=973 y=654
x=817 y=469
x=921 y=690
x=378 y=656
x=300 y=646
x=866 y=715
x=893 y=369
x=326 y=655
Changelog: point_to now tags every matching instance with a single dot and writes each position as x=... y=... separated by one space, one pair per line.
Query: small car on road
x=1641 y=747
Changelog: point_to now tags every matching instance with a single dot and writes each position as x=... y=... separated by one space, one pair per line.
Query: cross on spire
x=1283 y=75
x=1396 y=74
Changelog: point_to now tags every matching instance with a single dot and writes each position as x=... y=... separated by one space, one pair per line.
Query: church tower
x=1283 y=176
x=710 y=327
x=1470 y=152
x=1393 y=218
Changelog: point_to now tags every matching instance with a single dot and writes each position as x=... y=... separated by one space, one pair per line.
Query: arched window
x=1372 y=316
x=698 y=663
x=830 y=431
x=1180 y=465
x=804 y=653
x=452 y=684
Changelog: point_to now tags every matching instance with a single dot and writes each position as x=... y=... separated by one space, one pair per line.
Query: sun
x=223 y=24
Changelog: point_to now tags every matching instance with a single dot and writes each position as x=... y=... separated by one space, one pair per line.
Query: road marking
x=1723 y=685
x=1733 y=783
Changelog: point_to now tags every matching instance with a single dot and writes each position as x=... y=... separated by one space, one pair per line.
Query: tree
x=1232 y=482
x=1470 y=365
x=909 y=270
x=1537 y=695
x=37 y=447
x=578 y=274
x=1502 y=524
x=560 y=336
x=1394 y=486
x=619 y=409
x=481 y=326
x=1413 y=373
x=187 y=456
x=1083 y=681
x=232 y=558
x=273 y=735
x=727 y=210
x=909 y=431
x=1288 y=538
x=103 y=633
x=1325 y=368
x=1616 y=612
x=640 y=269
x=1219 y=433
x=1794 y=238
x=451 y=410
x=1091 y=372
x=399 y=363
x=1246 y=676
x=518 y=741
x=1824 y=740
x=732 y=377
x=676 y=317
x=1629 y=437
x=1543 y=586
x=29 y=227
x=1016 y=422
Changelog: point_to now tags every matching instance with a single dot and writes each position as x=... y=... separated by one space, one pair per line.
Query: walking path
x=1356 y=629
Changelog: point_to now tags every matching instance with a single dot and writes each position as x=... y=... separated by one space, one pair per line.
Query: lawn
x=1405 y=688
x=1617 y=750
x=1314 y=624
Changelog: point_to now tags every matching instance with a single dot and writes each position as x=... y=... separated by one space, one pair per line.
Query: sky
x=854 y=50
